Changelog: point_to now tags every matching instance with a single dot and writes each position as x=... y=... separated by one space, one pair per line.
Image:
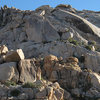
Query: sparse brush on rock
x=75 y=42
x=88 y=47
x=15 y=92
x=9 y=83
x=31 y=85
x=92 y=43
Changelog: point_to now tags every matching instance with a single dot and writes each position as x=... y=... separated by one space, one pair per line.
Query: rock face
x=49 y=54
x=27 y=71
x=42 y=31
x=8 y=71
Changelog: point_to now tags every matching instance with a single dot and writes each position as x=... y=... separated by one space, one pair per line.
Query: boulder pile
x=49 y=54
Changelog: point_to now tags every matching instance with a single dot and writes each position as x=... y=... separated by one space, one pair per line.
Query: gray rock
x=8 y=71
x=27 y=71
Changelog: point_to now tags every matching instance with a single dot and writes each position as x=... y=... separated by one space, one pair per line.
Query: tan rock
x=3 y=49
x=38 y=74
x=63 y=6
x=56 y=85
x=14 y=56
x=50 y=58
x=50 y=93
x=49 y=62
x=72 y=59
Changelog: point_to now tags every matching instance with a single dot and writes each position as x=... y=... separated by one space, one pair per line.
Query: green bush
x=5 y=6
x=92 y=43
x=89 y=47
x=31 y=85
x=86 y=16
x=15 y=92
x=75 y=42
x=8 y=83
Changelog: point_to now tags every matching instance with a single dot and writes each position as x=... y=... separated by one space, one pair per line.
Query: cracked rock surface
x=49 y=54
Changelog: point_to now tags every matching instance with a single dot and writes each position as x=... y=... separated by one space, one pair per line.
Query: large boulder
x=39 y=29
x=66 y=72
x=49 y=62
x=14 y=56
x=79 y=22
x=8 y=71
x=66 y=7
x=27 y=71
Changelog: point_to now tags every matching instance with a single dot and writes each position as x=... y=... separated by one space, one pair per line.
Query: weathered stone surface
x=49 y=62
x=27 y=71
x=8 y=71
x=44 y=33
x=51 y=93
x=3 y=50
x=78 y=21
x=95 y=80
x=14 y=56
x=40 y=30
x=45 y=8
x=66 y=7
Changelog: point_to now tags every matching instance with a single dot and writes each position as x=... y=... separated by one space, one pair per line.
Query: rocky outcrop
x=77 y=21
x=72 y=78
x=51 y=91
x=49 y=53
x=42 y=31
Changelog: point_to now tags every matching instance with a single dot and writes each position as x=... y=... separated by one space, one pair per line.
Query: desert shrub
x=86 y=16
x=97 y=49
x=15 y=92
x=5 y=6
x=89 y=47
x=31 y=85
x=8 y=83
x=75 y=42
x=92 y=43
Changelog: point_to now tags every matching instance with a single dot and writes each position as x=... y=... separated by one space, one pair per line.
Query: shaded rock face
x=27 y=71
x=8 y=71
x=49 y=53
